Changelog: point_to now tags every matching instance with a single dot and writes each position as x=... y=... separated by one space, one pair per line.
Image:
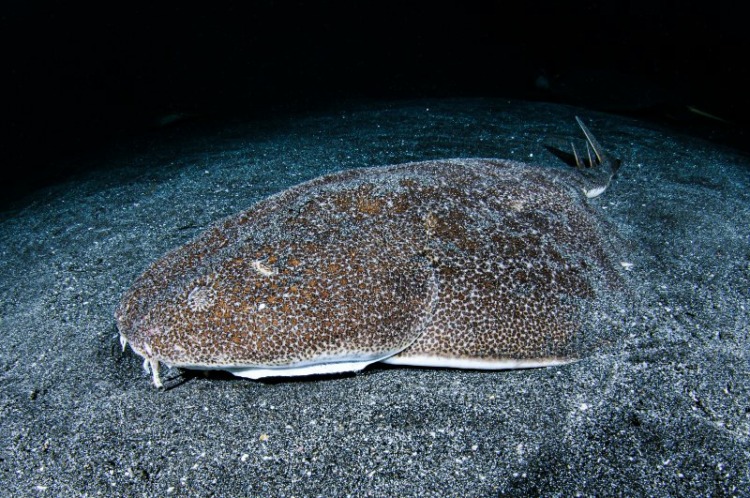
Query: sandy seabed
x=663 y=411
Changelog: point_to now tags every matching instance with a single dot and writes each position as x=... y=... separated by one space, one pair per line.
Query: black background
x=78 y=78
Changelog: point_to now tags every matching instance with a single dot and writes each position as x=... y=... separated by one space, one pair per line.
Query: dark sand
x=665 y=411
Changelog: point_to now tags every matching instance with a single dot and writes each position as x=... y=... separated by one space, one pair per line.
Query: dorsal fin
x=601 y=161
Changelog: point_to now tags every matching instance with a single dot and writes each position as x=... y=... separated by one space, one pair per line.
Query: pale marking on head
x=201 y=298
x=263 y=269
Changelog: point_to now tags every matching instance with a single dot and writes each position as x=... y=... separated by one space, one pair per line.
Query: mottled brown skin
x=516 y=266
x=478 y=263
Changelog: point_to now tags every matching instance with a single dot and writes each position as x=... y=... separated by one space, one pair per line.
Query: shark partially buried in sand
x=461 y=263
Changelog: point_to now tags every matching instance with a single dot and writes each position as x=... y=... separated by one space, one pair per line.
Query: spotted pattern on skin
x=467 y=259
x=527 y=262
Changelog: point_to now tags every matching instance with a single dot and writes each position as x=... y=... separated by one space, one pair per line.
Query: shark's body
x=461 y=263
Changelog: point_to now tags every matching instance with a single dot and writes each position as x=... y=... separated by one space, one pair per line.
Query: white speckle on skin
x=263 y=269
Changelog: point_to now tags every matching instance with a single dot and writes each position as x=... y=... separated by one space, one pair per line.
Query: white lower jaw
x=319 y=369
x=320 y=366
